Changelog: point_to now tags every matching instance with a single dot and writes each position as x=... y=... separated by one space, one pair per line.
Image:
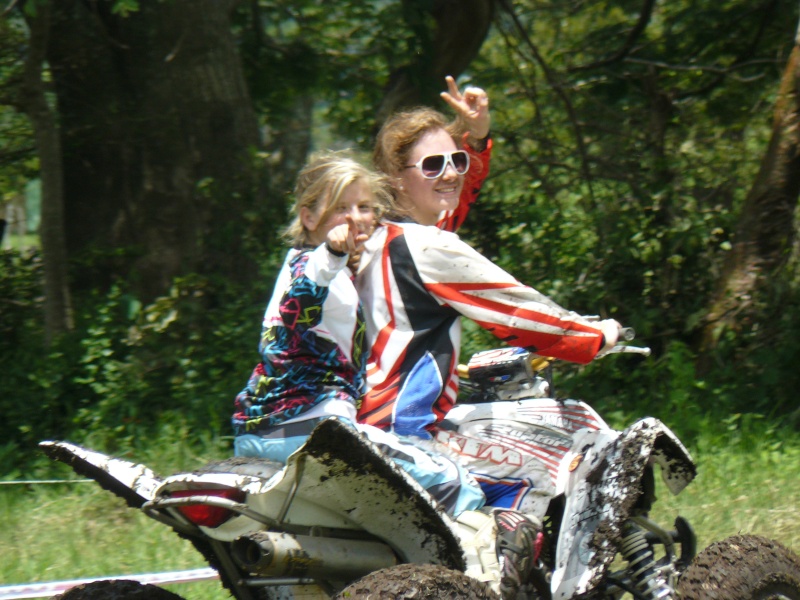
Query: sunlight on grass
x=80 y=531
x=21 y=242
x=739 y=491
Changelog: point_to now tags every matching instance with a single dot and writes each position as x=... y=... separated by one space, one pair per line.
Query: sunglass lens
x=432 y=165
x=461 y=162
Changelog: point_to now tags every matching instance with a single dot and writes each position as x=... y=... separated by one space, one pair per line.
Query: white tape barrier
x=45 y=481
x=52 y=588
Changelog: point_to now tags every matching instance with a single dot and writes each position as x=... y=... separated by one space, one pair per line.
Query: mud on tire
x=742 y=567
x=117 y=589
x=420 y=582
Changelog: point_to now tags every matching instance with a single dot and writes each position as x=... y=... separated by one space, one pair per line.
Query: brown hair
x=401 y=132
x=322 y=182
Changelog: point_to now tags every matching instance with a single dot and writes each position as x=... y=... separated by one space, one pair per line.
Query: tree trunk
x=57 y=302
x=765 y=233
x=446 y=49
x=158 y=129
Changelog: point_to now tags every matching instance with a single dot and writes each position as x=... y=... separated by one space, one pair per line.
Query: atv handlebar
x=627 y=334
x=538 y=363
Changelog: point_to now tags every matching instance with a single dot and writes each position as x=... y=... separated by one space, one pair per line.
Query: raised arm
x=472 y=110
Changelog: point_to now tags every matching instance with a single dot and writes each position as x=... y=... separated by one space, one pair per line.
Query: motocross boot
x=518 y=545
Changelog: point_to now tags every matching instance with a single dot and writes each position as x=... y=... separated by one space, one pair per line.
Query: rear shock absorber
x=642 y=565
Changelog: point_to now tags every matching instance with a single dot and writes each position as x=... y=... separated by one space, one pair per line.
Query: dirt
x=118 y=589
x=417 y=582
x=742 y=567
x=355 y=454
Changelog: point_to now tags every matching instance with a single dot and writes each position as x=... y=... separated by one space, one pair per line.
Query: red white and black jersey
x=416 y=282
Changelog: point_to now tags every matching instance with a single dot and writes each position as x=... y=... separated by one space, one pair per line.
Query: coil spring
x=642 y=565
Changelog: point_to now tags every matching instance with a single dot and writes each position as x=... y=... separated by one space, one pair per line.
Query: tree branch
x=558 y=88
x=9 y=8
x=641 y=24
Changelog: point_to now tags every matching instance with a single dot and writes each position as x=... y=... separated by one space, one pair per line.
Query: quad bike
x=339 y=520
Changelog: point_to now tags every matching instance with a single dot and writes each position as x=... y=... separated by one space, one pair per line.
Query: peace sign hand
x=472 y=106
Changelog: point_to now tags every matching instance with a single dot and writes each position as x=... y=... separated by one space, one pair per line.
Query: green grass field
x=72 y=531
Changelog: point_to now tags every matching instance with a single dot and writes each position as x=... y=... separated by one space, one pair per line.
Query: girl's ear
x=309 y=219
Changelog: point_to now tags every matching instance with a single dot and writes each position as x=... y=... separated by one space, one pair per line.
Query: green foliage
x=337 y=55
x=617 y=176
x=130 y=372
x=175 y=361
x=616 y=181
x=20 y=294
x=124 y=7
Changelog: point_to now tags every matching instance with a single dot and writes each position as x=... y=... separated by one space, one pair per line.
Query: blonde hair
x=322 y=182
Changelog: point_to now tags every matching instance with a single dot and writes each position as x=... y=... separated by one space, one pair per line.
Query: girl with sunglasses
x=312 y=346
x=416 y=280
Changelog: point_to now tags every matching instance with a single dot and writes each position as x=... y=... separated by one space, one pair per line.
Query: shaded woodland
x=643 y=168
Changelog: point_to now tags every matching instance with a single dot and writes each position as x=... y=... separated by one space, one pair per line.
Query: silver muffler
x=274 y=554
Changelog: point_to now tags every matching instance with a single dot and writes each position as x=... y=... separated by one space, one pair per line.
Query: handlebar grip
x=627 y=334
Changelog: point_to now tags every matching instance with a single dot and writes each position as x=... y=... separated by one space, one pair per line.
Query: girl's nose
x=356 y=214
x=449 y=171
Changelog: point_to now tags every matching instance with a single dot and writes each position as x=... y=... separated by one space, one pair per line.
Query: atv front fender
x=601 y=479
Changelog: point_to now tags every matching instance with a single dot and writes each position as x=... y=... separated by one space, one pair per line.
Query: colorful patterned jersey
x=312 y=343
x=415 y=283
x=313 y=335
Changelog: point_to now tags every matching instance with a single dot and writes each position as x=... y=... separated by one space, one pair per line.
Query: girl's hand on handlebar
x=611 y=334
x=612 y=329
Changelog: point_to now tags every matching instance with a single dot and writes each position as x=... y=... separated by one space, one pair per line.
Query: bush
x=129 y=373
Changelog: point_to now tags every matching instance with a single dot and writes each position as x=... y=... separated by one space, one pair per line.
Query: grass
x=741 y=488
x=56 y=532
x=75 y=531
x=72 y=531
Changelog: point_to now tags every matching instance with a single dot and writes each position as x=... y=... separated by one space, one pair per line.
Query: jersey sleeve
x=322 y=266
x=478 y=171
x=301 y=302
x=458 y=276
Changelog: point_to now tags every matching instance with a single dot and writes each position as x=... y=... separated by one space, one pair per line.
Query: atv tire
x=420 y=582
x=742 y=567
x=117 y=589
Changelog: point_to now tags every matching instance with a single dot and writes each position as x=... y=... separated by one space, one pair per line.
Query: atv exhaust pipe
x=273 y=554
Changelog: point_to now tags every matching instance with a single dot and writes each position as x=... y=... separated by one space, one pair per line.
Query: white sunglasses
x=434 y=165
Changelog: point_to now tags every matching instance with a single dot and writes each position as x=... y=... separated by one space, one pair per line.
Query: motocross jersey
x=416 y=282
x=312 y=346
x=311 y=357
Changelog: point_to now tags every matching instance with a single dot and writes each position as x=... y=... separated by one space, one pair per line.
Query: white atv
x=339 y=520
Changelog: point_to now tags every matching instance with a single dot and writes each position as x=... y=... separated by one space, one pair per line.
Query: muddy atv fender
x=601 y=479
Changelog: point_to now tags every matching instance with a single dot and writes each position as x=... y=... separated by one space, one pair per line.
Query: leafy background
x=626 y=140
